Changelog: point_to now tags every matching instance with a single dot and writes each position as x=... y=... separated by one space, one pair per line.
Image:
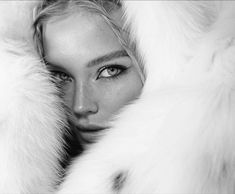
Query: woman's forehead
x=79 y=35
x=77 y=27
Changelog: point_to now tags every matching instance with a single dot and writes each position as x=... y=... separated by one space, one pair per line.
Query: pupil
x=112 y=70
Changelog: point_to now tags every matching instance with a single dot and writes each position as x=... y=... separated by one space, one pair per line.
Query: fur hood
x=31 y=114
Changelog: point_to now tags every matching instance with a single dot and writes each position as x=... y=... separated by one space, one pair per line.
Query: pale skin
x=97 y=76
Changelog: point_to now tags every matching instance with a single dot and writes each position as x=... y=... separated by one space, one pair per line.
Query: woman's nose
x=85 y=103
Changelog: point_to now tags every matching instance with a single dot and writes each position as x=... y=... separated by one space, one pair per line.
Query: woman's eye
x=111 y=71
x=61 y=76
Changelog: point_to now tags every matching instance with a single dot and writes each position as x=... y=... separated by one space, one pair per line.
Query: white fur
x=179 y=137
x=31 y=117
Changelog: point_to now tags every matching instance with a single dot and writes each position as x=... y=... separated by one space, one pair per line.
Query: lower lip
x=89 y=137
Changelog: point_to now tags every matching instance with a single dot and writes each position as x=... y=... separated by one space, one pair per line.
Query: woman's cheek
x=116 y=97
x=122 y=90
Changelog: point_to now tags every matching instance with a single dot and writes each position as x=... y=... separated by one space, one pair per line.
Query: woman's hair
x=48 y=9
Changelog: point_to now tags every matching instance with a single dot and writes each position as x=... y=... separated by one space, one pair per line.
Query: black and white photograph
x=117 y=97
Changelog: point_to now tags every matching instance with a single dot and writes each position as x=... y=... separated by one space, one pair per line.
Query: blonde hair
x=52 y=8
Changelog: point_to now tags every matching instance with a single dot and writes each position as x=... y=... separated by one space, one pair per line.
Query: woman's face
x=96 y=74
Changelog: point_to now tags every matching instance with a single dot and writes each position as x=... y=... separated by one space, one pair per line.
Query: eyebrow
x=108 y=57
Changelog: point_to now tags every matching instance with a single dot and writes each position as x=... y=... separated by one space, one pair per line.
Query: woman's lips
x=90 y=133
x=90 y=128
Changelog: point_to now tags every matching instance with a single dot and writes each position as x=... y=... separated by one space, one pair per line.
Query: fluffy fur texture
x=31 y=114
x=179 y=137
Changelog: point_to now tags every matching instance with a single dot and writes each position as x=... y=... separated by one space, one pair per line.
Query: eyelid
x=57 y=71
x=121 y=67
x=57 y=74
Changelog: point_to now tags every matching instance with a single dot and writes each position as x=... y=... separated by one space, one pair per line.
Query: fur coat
x=31 y=115
x=179 y=137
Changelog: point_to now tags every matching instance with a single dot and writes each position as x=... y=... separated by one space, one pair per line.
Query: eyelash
x=121 y=69
x=58 y=76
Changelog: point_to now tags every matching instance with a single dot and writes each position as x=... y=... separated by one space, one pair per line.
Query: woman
x=88 y=54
